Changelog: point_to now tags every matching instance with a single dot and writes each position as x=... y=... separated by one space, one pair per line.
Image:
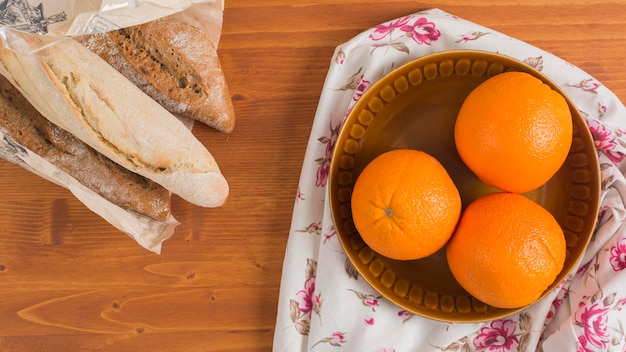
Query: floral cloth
x=325 y=306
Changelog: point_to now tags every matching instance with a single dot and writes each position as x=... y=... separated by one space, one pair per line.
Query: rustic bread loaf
x=79 y=92
x=21 y=122
x=174 y=63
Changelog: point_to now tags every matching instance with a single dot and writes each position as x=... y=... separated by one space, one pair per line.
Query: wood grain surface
x=69 y=281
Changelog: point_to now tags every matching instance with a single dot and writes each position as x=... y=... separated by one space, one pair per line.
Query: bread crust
x=25 y=125
x=79 y=92
x=174 y=63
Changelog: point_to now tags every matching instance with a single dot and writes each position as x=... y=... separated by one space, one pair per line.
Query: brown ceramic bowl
x=415 y=106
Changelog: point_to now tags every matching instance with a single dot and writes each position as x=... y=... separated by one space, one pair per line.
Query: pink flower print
x=329 y=235
x=317 y=304
x=581 y=346
x=422 y=31
x=305 y=301
x=605 y=140
x=334 y=133
x=322 y=172
x=618 y=255
x=601 y=110
x=335 y=339
x=299 y=195
x=361 y=88
x=314 y=228
x=558 y=300
x=324 y=162
x=371 y=301
x=368 y=300
x=591 y=86
x=536 y=62
x=594 y=322
x=304 y=297
x=352 y=82
x=498 y=336
x=340 y=58
x=369 y=321
x=405 y=315
x=383 y=30
x=470 y=36
x=555 y=306
x=587 y=85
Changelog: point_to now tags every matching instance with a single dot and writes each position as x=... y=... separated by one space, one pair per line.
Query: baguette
x=82 y=94
x=174 y=63
x=25 y=125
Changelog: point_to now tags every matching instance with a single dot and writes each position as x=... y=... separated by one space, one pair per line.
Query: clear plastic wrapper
x=63 y=18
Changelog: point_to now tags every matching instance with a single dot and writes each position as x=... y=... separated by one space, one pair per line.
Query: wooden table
x=70 y=282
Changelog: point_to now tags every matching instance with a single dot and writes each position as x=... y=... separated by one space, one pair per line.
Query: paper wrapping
x=67 y=18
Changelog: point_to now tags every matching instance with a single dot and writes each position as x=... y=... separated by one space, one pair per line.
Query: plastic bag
x=63 y=18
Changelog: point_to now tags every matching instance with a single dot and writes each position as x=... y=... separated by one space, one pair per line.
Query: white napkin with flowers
x=325 y=306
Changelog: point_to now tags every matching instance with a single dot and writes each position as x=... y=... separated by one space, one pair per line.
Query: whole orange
x=514 y=132
x=507 y=250
x=405 y=205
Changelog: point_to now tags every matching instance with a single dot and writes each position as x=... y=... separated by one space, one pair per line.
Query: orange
x=405 y=205
x=507 y=250
x=514 y=132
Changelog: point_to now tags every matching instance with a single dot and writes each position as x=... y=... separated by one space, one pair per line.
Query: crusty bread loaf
x=79 y=92
x=25 y=125
x=174 y=63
